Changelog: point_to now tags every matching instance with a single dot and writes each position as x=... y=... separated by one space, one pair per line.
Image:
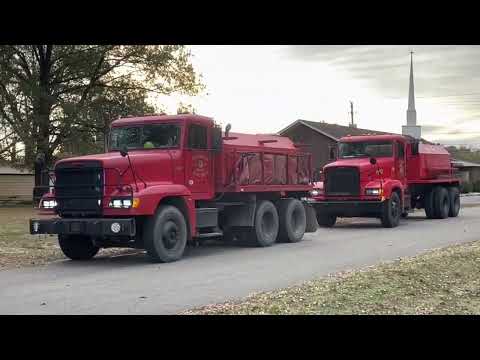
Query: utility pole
x=352 y=124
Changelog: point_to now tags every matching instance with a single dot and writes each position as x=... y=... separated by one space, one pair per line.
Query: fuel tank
x=431 y=162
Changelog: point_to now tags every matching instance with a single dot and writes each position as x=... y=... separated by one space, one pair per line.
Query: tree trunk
x=42 y=111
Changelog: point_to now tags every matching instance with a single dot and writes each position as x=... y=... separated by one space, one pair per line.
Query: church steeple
x=411 y=128
x=411 y=112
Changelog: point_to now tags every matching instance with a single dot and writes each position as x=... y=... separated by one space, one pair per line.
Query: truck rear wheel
x=293 y=220
x=428 y=205
x=326 y=220
x=165 y=235
x=391 y=211
x=454 y=196
x=441 y=202
x=77 y=247
x=266 y=224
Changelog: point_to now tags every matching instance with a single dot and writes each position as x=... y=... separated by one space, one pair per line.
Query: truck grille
x=342 y=181
x=79 y=188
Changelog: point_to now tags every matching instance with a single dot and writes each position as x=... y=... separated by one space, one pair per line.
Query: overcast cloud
x=448 y=76
x=259 y=88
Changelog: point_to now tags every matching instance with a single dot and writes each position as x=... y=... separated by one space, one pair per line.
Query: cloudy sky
x=264 y=88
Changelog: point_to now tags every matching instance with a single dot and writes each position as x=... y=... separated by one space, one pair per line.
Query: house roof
x=333 y=131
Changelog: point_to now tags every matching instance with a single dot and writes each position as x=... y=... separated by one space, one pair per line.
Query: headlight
x=375 y=191
x=314 y=192
x=49 y=204
x=120 y=203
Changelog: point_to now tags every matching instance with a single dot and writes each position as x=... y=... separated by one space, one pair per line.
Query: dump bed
x=251 y=162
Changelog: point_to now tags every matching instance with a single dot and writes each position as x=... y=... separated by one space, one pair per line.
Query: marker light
x=121 y=203
x=49 y=204
x=374 y=191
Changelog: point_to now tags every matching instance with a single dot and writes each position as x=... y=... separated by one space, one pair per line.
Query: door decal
x=199 y=167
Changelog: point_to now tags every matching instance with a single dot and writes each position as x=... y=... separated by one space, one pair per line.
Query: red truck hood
x=151 y=166
x=367 y=170
x=361 y=163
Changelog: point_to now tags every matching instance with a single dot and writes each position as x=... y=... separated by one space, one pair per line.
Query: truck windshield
x=158 y=136
x=365 y=149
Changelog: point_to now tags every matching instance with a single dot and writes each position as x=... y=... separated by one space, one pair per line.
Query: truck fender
x=390 y=185
x=154 y=195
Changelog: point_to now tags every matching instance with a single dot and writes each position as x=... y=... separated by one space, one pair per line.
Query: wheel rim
x=268 y=223
x=170 y=234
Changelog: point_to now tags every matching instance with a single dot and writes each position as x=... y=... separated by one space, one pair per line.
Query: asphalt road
x=130 y=284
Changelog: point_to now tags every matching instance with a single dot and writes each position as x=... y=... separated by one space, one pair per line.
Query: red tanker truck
x=170 y=180
x=386 y=176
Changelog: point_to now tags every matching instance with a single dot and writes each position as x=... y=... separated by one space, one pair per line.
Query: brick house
x=322 y=138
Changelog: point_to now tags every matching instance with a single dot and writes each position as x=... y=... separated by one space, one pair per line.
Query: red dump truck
x=386 y=176
x=170 y=180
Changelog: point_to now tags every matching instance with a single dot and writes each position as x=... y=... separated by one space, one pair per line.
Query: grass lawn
x=444 y=281
x=19 y=248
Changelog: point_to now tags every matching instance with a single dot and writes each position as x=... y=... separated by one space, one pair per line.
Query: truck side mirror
x=317 y=175
x=217 y=140
x=373 y=161
x=124 y=150
x=415 y=148
x=332 y=152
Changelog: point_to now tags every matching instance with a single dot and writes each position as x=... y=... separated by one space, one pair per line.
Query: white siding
x=16 y=187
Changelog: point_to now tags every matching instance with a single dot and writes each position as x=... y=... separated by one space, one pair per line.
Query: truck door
x=198 y=162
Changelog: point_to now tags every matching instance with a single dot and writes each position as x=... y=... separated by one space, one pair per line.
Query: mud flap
x=312 y=224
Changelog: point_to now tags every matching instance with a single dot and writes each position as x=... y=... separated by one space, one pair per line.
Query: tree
x=51 y=94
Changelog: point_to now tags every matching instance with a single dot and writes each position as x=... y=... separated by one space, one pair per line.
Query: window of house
x=197 y=137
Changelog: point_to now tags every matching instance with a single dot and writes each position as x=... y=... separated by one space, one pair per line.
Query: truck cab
x=168 y=180
x=383 y=176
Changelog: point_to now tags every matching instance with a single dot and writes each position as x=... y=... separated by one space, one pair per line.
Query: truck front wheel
x=77 y=247
x=165 y=234
x=293 y=220
x=391 y=211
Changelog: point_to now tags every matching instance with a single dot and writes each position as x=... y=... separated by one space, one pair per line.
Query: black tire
x=391 y=212
x=441 y=202
x=266 y=225
x=77 y=247
x=326 y=220
x=165 y=235
x=454 y=196
x=428 y=205
x=293 y=220
x=404 y=215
